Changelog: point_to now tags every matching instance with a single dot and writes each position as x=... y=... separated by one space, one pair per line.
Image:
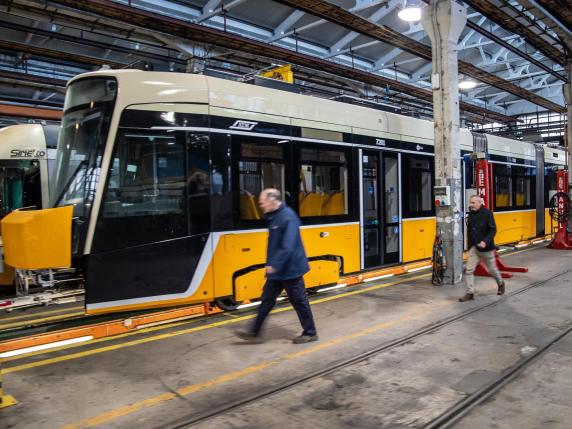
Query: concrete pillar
x=444 y=20
x=567 y=89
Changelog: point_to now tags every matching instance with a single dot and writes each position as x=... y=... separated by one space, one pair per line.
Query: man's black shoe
x=467 y=297
x=303 y=339
x=248 y=336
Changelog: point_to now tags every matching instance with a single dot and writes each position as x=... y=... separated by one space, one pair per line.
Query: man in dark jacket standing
x=286 y=264
x=481 y=230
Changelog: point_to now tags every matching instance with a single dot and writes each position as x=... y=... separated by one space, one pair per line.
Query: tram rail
x=454 y=414
x=445 y=420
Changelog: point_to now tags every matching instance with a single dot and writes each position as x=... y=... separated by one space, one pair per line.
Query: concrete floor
x=162 y=376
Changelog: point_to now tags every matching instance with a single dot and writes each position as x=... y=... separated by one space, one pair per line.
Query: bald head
x=269 y=200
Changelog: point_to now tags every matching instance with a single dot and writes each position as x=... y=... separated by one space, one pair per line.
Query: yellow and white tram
x=158 y=174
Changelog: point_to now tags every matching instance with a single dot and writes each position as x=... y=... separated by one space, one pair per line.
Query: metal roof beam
x=477 y=27
x=561 y=16
x=496 y=14
x=388 y=57
x=344 y=18
x=23 y=79
x=60 y=55
x=216 y=7
x=30 y=112
x=352 y=35
x=87 y=42
x=283 y=31
x=470 y=34
x=280 y=31
x=186 y=30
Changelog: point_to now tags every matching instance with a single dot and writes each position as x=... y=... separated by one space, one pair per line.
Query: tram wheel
x=227 y=303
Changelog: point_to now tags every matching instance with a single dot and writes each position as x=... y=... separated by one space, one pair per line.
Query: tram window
x=418 y=186
x=549 y=184
x=323 y=182
x=20 y=185
x=469 y=174
x=503 y=181
x=525 y=189
x=260 y=166
x=145 y=198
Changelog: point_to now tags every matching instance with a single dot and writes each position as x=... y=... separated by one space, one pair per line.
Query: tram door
x=380 y=208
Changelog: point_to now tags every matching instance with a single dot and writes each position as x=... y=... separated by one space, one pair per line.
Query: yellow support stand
x=5 y=400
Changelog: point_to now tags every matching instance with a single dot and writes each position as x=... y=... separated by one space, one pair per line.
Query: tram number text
x=380 y=142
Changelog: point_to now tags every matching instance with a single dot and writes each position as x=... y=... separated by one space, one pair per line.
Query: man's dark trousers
x=298 y=298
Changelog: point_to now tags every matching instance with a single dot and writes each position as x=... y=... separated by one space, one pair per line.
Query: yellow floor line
x=183 y=331
x=235 y=375
x=234 y=320
x=43 y=319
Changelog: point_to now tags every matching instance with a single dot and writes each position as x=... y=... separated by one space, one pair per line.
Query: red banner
x=483 y=181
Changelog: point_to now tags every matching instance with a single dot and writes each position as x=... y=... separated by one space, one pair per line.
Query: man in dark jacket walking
x=286 y=264
x=481 y=230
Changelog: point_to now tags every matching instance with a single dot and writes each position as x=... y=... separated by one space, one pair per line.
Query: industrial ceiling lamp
x=467 y=84
x=411 y=11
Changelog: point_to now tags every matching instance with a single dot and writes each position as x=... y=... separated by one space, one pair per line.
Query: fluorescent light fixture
x=467 y=84
x=410 y=13
x=45 y=346
x=372 y=279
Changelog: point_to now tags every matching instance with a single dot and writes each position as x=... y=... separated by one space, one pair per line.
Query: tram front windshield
x=85 y=125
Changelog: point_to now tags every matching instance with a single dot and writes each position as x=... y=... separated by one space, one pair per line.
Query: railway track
x=453 y=415
x=447 y=419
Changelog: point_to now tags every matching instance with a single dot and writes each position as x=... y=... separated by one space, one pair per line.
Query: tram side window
x=145 y=198
x=469 y=175
x=525 y=189
x=418 y=186
x=260 y=166
x=20 y=185
x=549 y=184
x=503 y=187
x=323 y=182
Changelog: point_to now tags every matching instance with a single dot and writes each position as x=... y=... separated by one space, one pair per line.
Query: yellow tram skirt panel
x=237 y=251
x=515 y=226
x=249 y=285
x=418 y=238
x=38 y=239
